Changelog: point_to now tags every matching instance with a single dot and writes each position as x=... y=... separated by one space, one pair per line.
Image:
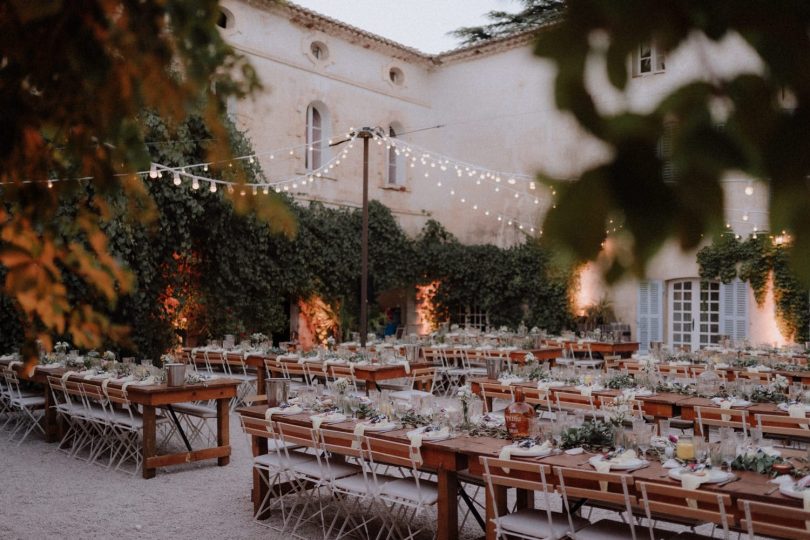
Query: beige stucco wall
x=497 y=109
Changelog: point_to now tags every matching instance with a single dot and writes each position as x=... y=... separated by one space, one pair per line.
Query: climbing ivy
x=757 y=260
x=205 y=270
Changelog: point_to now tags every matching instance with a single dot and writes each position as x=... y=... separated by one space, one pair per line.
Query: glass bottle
x=518 y=415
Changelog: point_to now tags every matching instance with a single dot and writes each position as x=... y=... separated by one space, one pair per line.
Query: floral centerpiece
x=465 y=396
x=622 y=380
x=257 y=339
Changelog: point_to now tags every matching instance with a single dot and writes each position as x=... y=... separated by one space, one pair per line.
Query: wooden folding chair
x=777 y=426
x=540 y=400
x=708 y=417
x=569 y=401
x=773 y=520
x=602 y=490
x=528 y=523
x=755 y=376
x=685 y=504
x=492 y=391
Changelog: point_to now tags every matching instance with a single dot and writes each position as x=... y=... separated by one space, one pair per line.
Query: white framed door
x=694 y=314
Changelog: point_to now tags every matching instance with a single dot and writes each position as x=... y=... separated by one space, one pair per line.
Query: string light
x=176 y=179
x=153 y=171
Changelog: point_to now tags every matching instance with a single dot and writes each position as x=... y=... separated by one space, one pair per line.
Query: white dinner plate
x=713 y=476
x=295 y=409
x=380 y=426
x=437 y=435
x=789 y=490
x=619 y=465
x=535 y=451
x=784 y=407
x=736 y=402
x=332 y=418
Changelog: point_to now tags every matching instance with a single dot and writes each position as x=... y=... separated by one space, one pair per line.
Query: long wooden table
x=447 y=458
x=659 y=405
x=150 y=398
x=625 y=349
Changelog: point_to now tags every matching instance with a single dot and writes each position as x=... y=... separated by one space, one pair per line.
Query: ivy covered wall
x=203 y=269
x=761 y=261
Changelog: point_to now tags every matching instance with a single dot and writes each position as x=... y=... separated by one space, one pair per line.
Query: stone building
x=488 y=109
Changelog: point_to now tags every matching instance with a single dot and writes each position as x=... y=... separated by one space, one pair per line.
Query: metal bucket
x=175 y=374
x=277 y=391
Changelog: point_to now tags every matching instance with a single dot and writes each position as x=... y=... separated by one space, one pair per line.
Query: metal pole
x=366 y=134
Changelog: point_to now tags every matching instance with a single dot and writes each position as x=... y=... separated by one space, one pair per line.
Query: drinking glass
x=643 y=439
x=756 y=437
x=663 y=427
x=728 y=450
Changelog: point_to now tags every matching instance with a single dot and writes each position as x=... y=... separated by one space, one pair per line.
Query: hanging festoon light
x=176 y=178
x=749 y=189
x=195 y=183
x=213 y=187
x=153 y=173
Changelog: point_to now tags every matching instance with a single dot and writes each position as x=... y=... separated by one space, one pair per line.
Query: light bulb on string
x=177 y=181
x=255 y=190
x=532 y=186
x=745 y=217
x=251 y=160
x=50 y=184
x=749 y=189
x=205 y=167
x=230 y=189
x=213 y=188
x=153 y=171
x=266 y=190
x=195 y=183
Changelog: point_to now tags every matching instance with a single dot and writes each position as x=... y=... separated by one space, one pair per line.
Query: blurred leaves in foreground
x=74 y=78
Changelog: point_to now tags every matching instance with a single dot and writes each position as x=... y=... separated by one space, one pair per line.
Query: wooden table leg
x=149 y=439
x=260 y=488
x=370 y=386
x=491 y=505
x=260 y=378
x=447 y=527
x=223 y=411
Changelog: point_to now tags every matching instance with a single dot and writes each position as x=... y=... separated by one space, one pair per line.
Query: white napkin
x=797 y=411
x=574 y=451
x=690 y=481
x=602 y=466
x=359 y=431
x=671 y=464
x=726 y=405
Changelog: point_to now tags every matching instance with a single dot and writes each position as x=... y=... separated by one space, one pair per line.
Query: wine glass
x=643 y=439
x=728 y=452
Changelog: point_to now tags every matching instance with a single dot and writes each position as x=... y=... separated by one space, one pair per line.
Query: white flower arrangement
x=341 y=385
x=93 y=354
x=109 y=356
x=257 y=338
x=61 y=347
x=529 y=357
x=780 y=382
x=167 y=359
x=330 y=341
x=465 y=393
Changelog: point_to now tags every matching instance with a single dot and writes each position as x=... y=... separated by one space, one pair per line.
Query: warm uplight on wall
x=425 y=309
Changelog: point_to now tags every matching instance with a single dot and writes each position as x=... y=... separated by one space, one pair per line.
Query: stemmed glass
x=643 y=434
x=728 y=452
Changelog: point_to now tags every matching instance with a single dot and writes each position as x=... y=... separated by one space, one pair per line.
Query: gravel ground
x=46 y=493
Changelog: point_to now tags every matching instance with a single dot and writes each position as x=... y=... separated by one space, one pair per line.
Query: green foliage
x=622 y=380
x=75 y=77
x=756 y=260
x=516 y=284
x=591 y=435
x=534 y=14
x=757 y=461
x=763 y=135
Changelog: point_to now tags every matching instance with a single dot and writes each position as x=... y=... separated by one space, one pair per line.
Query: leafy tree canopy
x=764 y=135
x=74 y=78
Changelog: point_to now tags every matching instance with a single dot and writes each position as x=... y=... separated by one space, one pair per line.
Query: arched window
x=315 y=138
x=396 y=169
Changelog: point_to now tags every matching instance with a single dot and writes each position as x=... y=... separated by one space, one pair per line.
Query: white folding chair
x=30 y=409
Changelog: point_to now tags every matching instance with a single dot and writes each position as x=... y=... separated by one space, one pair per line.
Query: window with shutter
x=735 y=309
x=650 y=316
